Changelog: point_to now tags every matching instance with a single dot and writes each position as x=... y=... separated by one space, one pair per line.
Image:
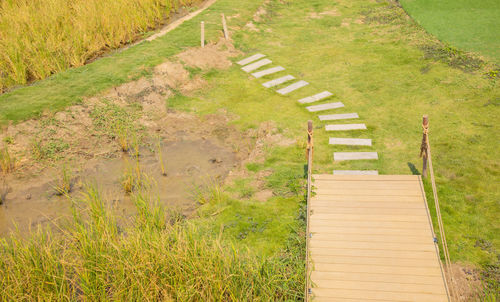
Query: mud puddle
x=189 y=164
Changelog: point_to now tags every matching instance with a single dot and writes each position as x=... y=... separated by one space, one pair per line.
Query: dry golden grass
x=41 y=37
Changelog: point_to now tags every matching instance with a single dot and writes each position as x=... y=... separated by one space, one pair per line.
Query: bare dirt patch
x=466 y=282
x=89 y=140
x=211 y=56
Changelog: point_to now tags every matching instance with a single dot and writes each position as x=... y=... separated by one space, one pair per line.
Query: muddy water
x=189 y=163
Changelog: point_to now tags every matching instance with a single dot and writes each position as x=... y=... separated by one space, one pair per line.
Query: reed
x=64 y=184
x=93 y=259
x=41 y=37
x=7 y=161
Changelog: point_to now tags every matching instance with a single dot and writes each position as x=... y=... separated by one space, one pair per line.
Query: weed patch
x=452 y=56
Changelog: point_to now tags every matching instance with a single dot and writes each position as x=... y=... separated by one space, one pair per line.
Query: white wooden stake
x=224 y=26
x=202 y=34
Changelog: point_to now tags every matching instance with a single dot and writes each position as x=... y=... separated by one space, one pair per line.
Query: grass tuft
x=64 y=184
x=7 y=161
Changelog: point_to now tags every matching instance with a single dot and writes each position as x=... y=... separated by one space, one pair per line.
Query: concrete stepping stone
x=340 y=156
x=355 y=172
x=342 y=116
x=327 y=106
x=350 y=141
x=317 y=97
x=278 y=81
x=251 y=59
x=292 y=87
x=256 y=65
x=269 y=71
x=344 y=127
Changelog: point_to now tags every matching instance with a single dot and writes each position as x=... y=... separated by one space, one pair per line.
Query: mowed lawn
x=472 y=25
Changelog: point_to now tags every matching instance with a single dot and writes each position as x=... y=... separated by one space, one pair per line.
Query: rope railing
x=309 y=154
x=425 y=153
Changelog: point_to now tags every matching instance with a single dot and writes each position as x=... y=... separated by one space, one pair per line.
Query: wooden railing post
x=424 y=153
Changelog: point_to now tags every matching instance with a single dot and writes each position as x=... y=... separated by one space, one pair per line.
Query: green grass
x=387 y=69
x=467 y=24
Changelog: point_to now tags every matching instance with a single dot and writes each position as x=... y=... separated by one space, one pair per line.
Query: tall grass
x=41 y=37
x=152 y=260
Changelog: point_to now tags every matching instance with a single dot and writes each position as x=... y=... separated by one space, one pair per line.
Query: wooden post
x=424 y=147
x=309 y=138
x=202 y=34
x=224 y=27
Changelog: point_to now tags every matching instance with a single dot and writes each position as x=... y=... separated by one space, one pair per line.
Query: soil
x=466 y=282
x=86 y=140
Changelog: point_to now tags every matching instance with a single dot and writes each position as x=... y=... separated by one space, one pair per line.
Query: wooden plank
x=328 y=229
x=278 y=81
x=367 y=192
x=342 y=156
x=256 y=65
x=377 y=269
x=381 y=286
x=366 y=177
x=354 y=183
x=315 y=98
x=293 y=87
x=362 y=294
x=269 y=71
x=376 y=261
x=429 y=255
x=251 y=59
x=326 y=106
x=409 y=225
x=335 y=117
x=369 y=217
x=350 y=141
x=345 y=127
x=365 y=211
x=387 y=246
x=367 y=230
x=355 y=205
x=368 y=199
x=367 y=277
x=373 y=238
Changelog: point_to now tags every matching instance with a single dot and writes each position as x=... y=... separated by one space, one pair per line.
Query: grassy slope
x=467 y=24
x=376 y=69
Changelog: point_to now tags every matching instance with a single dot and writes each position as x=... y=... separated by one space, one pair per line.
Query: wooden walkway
x=371 y=239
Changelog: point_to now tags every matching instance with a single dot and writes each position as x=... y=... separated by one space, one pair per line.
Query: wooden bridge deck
x=372 y=240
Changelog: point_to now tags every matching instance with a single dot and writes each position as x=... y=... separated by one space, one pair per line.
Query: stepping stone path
x=278 y=81
x=333 y=117
x=292 y=87
x=344 y=127
x=256 y=61
x=339 y=156
x=317 y=97
x=355 y=172
x=323 y=107
x=269 y=71
x=251 y=59
x=350 y=141
x=256 y=65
